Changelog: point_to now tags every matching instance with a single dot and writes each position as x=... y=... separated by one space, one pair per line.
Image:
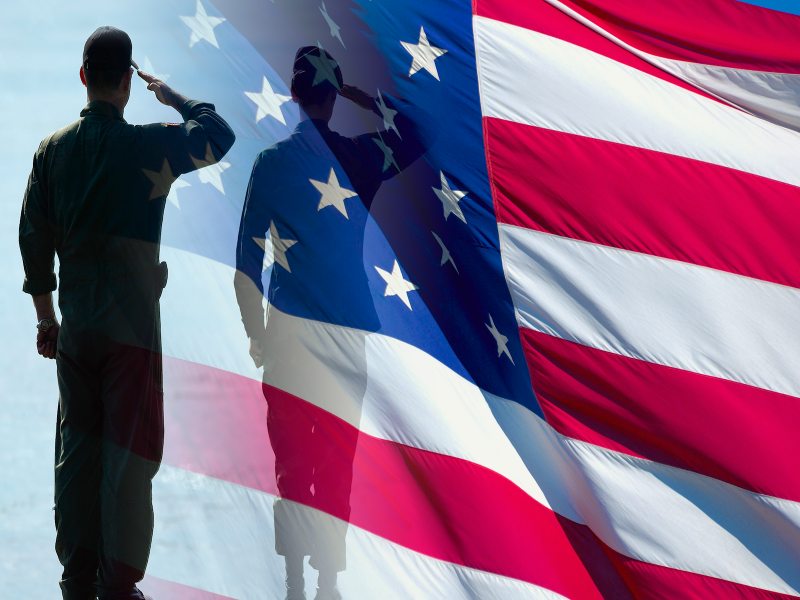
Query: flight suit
x=96 y=196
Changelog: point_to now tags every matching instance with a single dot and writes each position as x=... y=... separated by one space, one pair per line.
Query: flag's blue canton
x=460 y=302
x=451 y=310
x=333 y=262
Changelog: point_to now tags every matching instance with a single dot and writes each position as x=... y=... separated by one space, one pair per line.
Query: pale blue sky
x=789 y=6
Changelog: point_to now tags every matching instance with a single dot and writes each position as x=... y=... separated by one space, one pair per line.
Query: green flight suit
x=96 y=196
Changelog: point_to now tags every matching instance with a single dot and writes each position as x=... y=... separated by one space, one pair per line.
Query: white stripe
x=659 y=310
x=535 y=79
x=436 y=409
x=391 y=390
x=660 y=514
x=406 y=396
x=220 y=537
x=773 y=96
x=200 y=320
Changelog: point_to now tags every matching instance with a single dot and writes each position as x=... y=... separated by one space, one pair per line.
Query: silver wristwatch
x=45 y=324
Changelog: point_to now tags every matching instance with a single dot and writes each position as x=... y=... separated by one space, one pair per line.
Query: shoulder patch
x=174 y=124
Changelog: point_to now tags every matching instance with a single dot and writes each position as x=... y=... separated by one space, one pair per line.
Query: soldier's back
x=99 y=193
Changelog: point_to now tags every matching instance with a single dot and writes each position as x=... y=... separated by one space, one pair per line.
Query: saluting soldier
x=310 y=193
x=96 y=197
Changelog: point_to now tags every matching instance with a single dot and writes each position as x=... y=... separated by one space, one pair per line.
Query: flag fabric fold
x=579 y=375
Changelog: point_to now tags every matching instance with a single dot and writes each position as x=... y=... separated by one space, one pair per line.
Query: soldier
x=96 y=196
x=323 y=224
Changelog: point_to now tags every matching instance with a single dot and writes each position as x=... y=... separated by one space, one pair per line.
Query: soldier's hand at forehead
x=158 y=87
x=165 y=94
x=357 y=96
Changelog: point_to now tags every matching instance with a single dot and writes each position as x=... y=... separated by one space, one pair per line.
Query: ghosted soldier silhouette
x=96 y=196
x=308 y=203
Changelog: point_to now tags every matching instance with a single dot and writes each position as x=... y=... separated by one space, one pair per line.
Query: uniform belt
x=101 y=271
x=106 y=271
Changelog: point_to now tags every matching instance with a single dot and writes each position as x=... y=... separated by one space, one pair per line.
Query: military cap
x=315 y=74
x=109 y=49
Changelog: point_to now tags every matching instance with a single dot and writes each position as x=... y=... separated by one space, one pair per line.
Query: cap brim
x=134 y=65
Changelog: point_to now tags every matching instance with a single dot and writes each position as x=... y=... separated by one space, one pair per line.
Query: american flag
x=584 y=383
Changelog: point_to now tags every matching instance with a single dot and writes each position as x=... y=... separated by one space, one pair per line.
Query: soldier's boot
x=326 y=586
x=133 y=594
x=295 y=584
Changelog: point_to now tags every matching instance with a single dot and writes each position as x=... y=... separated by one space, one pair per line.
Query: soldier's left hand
x=257 y=353
x=47 y=342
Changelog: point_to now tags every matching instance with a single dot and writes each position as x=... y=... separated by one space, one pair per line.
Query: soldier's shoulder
x=59 y=136
x=153 y=129
x=273 y=153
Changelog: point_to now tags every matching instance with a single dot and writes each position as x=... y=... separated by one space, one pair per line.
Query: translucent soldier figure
x=308 y=201
x=96 y=196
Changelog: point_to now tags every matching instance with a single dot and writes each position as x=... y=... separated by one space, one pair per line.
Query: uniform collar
x=307 y=124
x=102 y=108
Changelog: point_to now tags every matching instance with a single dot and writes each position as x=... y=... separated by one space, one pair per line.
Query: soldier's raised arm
x=201 y=140
x=407 y=134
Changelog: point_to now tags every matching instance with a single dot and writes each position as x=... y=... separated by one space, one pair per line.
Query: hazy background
x=40 y=53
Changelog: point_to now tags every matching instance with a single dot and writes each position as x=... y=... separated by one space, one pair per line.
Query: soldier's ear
x=126 y=81
x=83 y=78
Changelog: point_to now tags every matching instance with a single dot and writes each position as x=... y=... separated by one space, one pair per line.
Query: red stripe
x=215 y=425
x=654 y=582
x=164 y=589
x=441 y=506
x=730 y=431
x=594 y=557
x=646 y=581
x=541 y=17
x=712 y=32
x=645 y=201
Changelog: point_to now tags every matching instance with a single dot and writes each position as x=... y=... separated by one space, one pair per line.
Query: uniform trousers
x=314 y=453
x=109 y=445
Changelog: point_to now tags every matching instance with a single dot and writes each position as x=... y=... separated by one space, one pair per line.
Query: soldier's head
x=316 y=80
x=106 y=69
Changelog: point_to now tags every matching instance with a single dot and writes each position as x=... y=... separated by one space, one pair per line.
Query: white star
x=150 y=69
x=387 y=114
x=268 y=102
x=266 y=246
x=388 y=153
x=334 y=27
x=450 y=199
x=162 y=180
x=325 y=68
x=279 y=246
x=500 y=339
x=332 y=193
x=176 y=185
x=210 y=170
x=202 y=26
x=424 y=55
x=396 y=285
x=445 y=253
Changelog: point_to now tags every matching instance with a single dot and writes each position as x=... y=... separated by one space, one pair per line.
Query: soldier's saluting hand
x=165 y=94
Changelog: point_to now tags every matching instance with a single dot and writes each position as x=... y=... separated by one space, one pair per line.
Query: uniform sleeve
x=201 y=140
x=415 y=131
x=36 y=236
x=250 y=253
